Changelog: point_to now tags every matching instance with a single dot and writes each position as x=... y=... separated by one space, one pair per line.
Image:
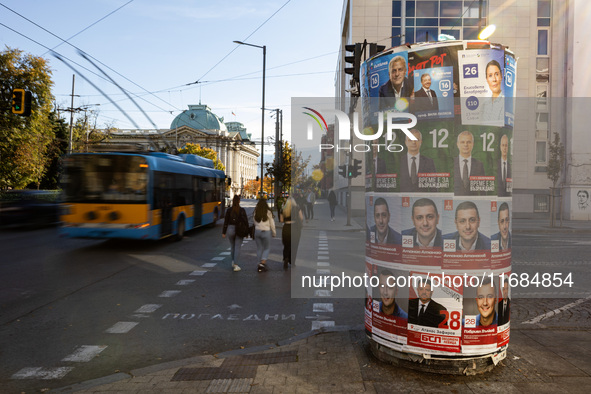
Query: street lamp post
x=264 y=48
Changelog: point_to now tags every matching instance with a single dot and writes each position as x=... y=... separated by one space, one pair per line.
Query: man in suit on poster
x=384 y=234
x=423 y=311
x=504 y=235
x=468 y=238
x=503 y=168
x=425 y=97
x=465 y=165
x=412 y=163
x=504 y=306
x=398 y=86
x=425 y=218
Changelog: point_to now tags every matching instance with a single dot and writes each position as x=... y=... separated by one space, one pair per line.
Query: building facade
x=546 y=37
x=198 y=125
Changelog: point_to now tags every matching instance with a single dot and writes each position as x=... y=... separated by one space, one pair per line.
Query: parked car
x=29 y=207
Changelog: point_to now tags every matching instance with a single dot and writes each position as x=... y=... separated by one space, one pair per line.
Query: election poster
x=439 y=203
x=434 y=77
x=503 y=310
x=466 y=234
x=434 y=313
x=425 y=163
x=422 y=240
x=503 y=158
x=388 y=80
x=390 y=303
x=479 y=334
x=380 y=167
x=368 y=301
x=510 y=88
x=500 y=240
x=483 y=87
x=474 y=164
x=383 y=219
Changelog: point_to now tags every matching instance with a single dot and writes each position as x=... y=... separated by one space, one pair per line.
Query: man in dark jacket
x=423 y=311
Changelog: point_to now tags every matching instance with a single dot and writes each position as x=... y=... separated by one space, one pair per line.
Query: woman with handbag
x=264 y=225
x=292 y=219
x=236 y=228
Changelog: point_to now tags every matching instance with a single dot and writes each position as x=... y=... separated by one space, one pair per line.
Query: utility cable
x=237 y=45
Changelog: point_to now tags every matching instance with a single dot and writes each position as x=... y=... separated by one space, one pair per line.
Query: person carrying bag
x=292 y=219
x=236 y=228
x=264 y=224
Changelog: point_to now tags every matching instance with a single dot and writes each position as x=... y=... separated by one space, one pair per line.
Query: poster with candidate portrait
x=383 y=241
x=503 y=309
x=501 y=238
x=466 y=234
x=389 y=306
x=422 y=239
x=433 y=98
x=479 y=333
x=380 y=166
x=482 y=95
x=503 y=159
x=388 y=80
x=473 y=156
x=425 y=164
x=434 y=313
x=435 y=76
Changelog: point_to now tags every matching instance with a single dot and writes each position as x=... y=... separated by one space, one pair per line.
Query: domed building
x=198 y=125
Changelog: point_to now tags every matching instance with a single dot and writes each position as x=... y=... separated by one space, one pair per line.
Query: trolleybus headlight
x=114 y=215
x=91 y=215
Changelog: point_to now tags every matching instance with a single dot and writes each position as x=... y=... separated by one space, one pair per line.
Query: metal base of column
x=461 y=365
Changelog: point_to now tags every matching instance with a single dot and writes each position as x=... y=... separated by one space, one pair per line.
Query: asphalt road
x=74 y=310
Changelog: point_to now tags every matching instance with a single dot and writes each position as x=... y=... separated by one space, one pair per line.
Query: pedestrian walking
x=332 y=203
x=292 y=219
x=310 y=201
x=300 y=199
x=264 y=227
x=236 y=228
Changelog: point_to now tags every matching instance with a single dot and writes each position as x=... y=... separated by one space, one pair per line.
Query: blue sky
x=163 y=46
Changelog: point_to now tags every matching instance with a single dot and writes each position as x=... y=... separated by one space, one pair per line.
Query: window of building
x=450 y=9
x=426 y=34
x=541 y=203
x=544 y=12
x=542 y=97
x=426 y=19
x=543 y=42
x=427 y=9
x=542 y=69
x=540 y=152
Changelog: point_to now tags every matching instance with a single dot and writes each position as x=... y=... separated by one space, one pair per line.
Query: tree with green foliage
x=290 y=169
x=25 y=140
x=208 y=153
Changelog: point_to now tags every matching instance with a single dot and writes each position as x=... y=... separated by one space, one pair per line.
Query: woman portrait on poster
x=493 y=107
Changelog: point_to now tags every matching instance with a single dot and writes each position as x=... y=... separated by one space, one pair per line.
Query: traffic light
x=257 y=178
x=355 y=169
x=343 y=171
x=229 y=180
x=354 y=60
x=21 y=102
x=374 y=49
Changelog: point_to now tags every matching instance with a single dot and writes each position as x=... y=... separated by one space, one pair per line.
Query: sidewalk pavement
x=338 y=359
